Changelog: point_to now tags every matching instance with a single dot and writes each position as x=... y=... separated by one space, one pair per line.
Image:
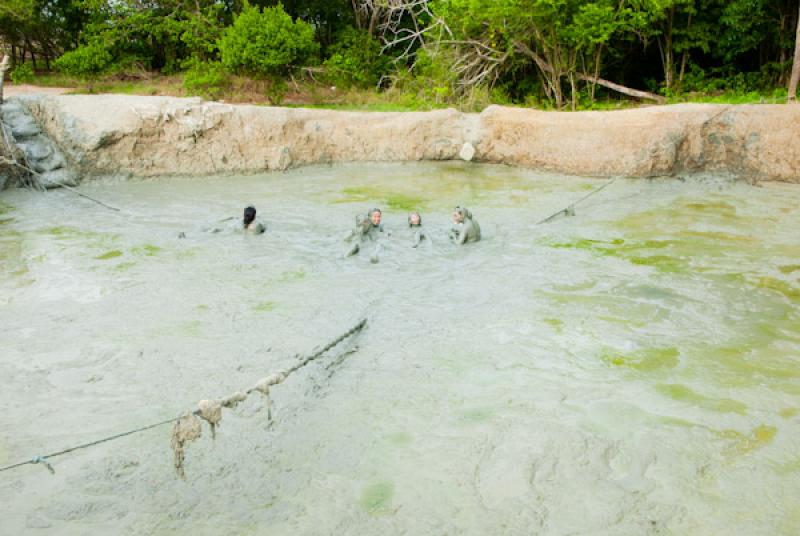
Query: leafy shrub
x=431 y=80
x=22 y=74
x=356 y=60
x=268 y=42
x=206 y=79
x=85 y=61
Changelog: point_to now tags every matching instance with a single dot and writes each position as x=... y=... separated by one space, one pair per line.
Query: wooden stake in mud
x=5 y=65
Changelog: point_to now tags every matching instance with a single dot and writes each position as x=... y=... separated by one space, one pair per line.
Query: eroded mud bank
x=149 y=136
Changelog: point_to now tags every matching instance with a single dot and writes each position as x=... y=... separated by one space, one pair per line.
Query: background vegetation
x=564 y=54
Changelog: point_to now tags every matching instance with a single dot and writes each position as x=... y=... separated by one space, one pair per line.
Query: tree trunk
x=546 y=67
x=596 y=70
x=574 y=91
x=639 y=94
x=685 y=57
x=795 y=65
x=666 y=51
x=683 y=68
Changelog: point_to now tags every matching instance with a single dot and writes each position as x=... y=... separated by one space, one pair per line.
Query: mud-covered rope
x=43 y=459
x=569 y=210
x=68 y=188
x=185 y=426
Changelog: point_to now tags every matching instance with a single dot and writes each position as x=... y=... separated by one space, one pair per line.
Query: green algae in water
x=780 y=286
x=681 y=393
x=292 y=275
x=788 y=467
x=476 y=415
x=376 y=498
x=742 y=444
x=147 y=250
x=789 y=268
x=556 y=323
x=123 y=266
x=749 y=362
x=662 y=263
x=394 y=200
x=265 y=306
x=645 y=360
x=113 y=254
x=719 y=206
x=632 y=252
x=193 y=328
x=400 y=438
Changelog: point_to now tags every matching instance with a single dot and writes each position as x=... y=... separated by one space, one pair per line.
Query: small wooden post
x=5 y=65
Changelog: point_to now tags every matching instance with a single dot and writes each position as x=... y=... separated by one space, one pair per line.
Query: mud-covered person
x=367 y=228
x=465 y=227
x=248 y=224
x=415 y=225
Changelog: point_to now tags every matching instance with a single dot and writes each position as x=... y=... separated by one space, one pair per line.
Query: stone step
x=37 y=148
x=25 y=128
x=58 y=178
x=52 y=162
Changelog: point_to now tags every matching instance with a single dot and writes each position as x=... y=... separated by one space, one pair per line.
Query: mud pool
x=631 y=370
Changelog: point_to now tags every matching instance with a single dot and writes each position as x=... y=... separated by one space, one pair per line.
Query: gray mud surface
x=631 y=370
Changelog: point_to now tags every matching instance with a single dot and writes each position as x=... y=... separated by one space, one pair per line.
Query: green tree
x=266 y=43
x=356 y=59
x=85 y=62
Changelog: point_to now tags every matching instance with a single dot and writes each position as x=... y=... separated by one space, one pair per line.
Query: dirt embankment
x=147 y=136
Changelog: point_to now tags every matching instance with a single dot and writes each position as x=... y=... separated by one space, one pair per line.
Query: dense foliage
x=548 y=52
x=263 y=43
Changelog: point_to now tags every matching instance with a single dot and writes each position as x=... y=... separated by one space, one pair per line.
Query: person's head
x=414 y=219
x=375 y=216
x=249 y=215
x=460 y=214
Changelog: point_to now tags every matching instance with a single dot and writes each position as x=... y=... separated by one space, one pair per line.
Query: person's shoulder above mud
x=465 y=227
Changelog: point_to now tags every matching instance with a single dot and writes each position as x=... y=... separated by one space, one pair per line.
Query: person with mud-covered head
x=465 y=227
x=367 y=228
x=415 y=224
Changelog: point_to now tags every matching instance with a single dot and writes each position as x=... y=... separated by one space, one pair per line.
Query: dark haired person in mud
x=367 y=228
x=249 y=221
x=248 y=224
x=465 y=228
x=415 y=224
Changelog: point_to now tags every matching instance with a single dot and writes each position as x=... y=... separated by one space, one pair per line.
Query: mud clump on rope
x=185 y=430
x=188 y=427
x=211 y=412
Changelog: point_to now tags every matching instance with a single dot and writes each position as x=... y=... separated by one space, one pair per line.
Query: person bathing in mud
x=248 y=224
x=367 y=228
x=465 y=228
x=415 y=224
